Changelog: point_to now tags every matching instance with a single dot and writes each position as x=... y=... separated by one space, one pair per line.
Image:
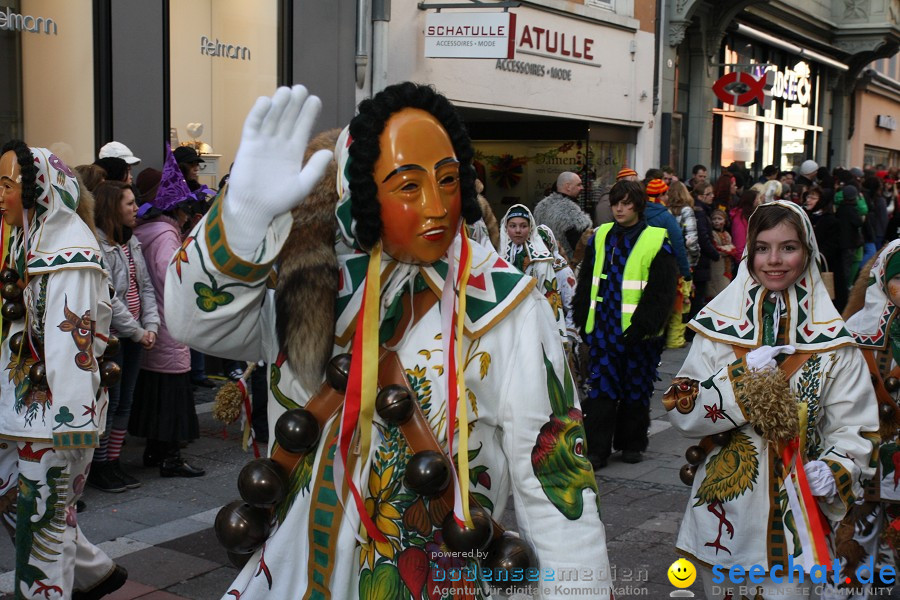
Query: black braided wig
x=366 y=129
x=28 y=170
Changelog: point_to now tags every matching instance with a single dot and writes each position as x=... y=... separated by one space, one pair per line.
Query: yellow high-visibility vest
x=637 y=270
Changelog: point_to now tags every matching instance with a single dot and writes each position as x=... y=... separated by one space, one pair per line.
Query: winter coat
x=688 y=223
x=658 y=215
x=564 y=218
x=708 y=252
x=738 y=233
x=849 y=223
x=161 y=241
x=117 y=266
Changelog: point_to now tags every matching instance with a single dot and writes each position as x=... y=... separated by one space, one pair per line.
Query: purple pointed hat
x=173 y=189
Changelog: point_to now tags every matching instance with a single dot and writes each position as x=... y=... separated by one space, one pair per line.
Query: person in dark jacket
x=625 y=292
x=849 y=240
x=819 y=206
x=703 y=205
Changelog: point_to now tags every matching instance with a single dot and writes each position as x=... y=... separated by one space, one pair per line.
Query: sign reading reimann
x=470 y=35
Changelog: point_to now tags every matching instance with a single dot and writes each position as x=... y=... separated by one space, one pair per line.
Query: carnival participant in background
x=777 y=390
x=58 y=308
x=405 y=189
x=523 y=247
x=622 y=301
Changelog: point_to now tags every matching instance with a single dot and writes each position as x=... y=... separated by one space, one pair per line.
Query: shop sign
x=886 y=122
x=543 y=41
x=533 y=69
x=793 y=85
x=740 y=88
x=470 y=35
x=217 y=48
x=10 y=21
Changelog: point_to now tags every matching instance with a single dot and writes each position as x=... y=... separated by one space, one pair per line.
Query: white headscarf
x=735 y=315
x=870 y=325
x=534 y=247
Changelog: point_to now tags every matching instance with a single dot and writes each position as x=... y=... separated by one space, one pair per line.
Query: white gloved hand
x=820 y=478
x=269 y=178
x=764 y=356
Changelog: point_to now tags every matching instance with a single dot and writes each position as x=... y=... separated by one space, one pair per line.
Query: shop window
x=223 y=56
x=522 y=172
x=46 y=76
x=738 y=141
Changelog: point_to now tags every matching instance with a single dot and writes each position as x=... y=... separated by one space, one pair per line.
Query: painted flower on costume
x=384 y=514
x=558 y=457
x=182 y=256
x=208 y=299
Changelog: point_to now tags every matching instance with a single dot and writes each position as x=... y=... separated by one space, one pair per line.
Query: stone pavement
x=162 y=532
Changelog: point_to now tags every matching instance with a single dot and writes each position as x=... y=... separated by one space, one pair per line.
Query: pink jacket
x=161 y=240
x=738 y=233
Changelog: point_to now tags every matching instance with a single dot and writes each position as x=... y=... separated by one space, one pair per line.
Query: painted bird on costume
x=31 y=534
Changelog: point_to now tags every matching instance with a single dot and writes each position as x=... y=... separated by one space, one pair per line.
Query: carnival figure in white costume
x=56 y=318
x=779 y=397
x=476 y=399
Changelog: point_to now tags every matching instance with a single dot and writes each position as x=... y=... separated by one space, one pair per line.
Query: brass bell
x=112 y=347
x=242 y=528
x=9 y=275
x=337 y=372
x=886 y=412
x=695 y=455
x=37 y=374
x=12 y=311
x=460 y=538
x=511 y=554
x=297 y=431
x=687 y=474
x=394 y=404
x=720 y=439
x=11 y=292
x=262 y=483
x=110 y=373
x=15 y=342
x=892 y=384
x=427 y=473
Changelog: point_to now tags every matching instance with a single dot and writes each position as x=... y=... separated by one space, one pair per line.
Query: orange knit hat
x=626 y=172
x=657 y=187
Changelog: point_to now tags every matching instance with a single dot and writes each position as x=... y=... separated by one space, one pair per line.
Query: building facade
x=804 y=57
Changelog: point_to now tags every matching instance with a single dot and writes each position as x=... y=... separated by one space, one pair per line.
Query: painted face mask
x=11 y=190
x=417 y=175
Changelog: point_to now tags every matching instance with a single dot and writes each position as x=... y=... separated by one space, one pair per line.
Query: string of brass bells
x=243 y=526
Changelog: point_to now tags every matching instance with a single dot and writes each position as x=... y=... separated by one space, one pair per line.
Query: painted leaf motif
x=485 y=364
x=731 y=472
x=380 y=583
x=209 y=299
x=416 y=517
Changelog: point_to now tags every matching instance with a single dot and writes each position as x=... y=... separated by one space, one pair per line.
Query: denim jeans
x=122 y=394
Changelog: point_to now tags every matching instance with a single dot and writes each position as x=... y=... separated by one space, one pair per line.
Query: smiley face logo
x=682 y=573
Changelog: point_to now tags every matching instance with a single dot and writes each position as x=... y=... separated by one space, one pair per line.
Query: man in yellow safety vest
x=625 y=292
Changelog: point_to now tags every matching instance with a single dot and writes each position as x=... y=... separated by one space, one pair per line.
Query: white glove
x=764 y=356
x=821 y=479
x=268 y=178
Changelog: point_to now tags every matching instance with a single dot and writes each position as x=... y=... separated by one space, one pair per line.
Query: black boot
x=175 y=466
x=129 y=481
x=116 y=579
x=104 y=479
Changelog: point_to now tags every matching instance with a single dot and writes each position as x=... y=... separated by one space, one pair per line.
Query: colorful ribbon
x=359 y=400
x=811 y=523
x=453 y=316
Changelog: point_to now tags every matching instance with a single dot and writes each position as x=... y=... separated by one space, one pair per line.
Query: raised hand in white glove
x=269 y=178
x=764 y=356
x=820 y=478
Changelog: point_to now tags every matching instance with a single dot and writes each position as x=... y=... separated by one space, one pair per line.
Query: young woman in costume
x=777 y=393
x=163 y=409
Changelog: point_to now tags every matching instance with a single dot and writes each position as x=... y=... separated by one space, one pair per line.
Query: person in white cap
x=118 y=150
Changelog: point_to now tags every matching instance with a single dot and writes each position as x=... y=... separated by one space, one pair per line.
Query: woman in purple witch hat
x=163 y=410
